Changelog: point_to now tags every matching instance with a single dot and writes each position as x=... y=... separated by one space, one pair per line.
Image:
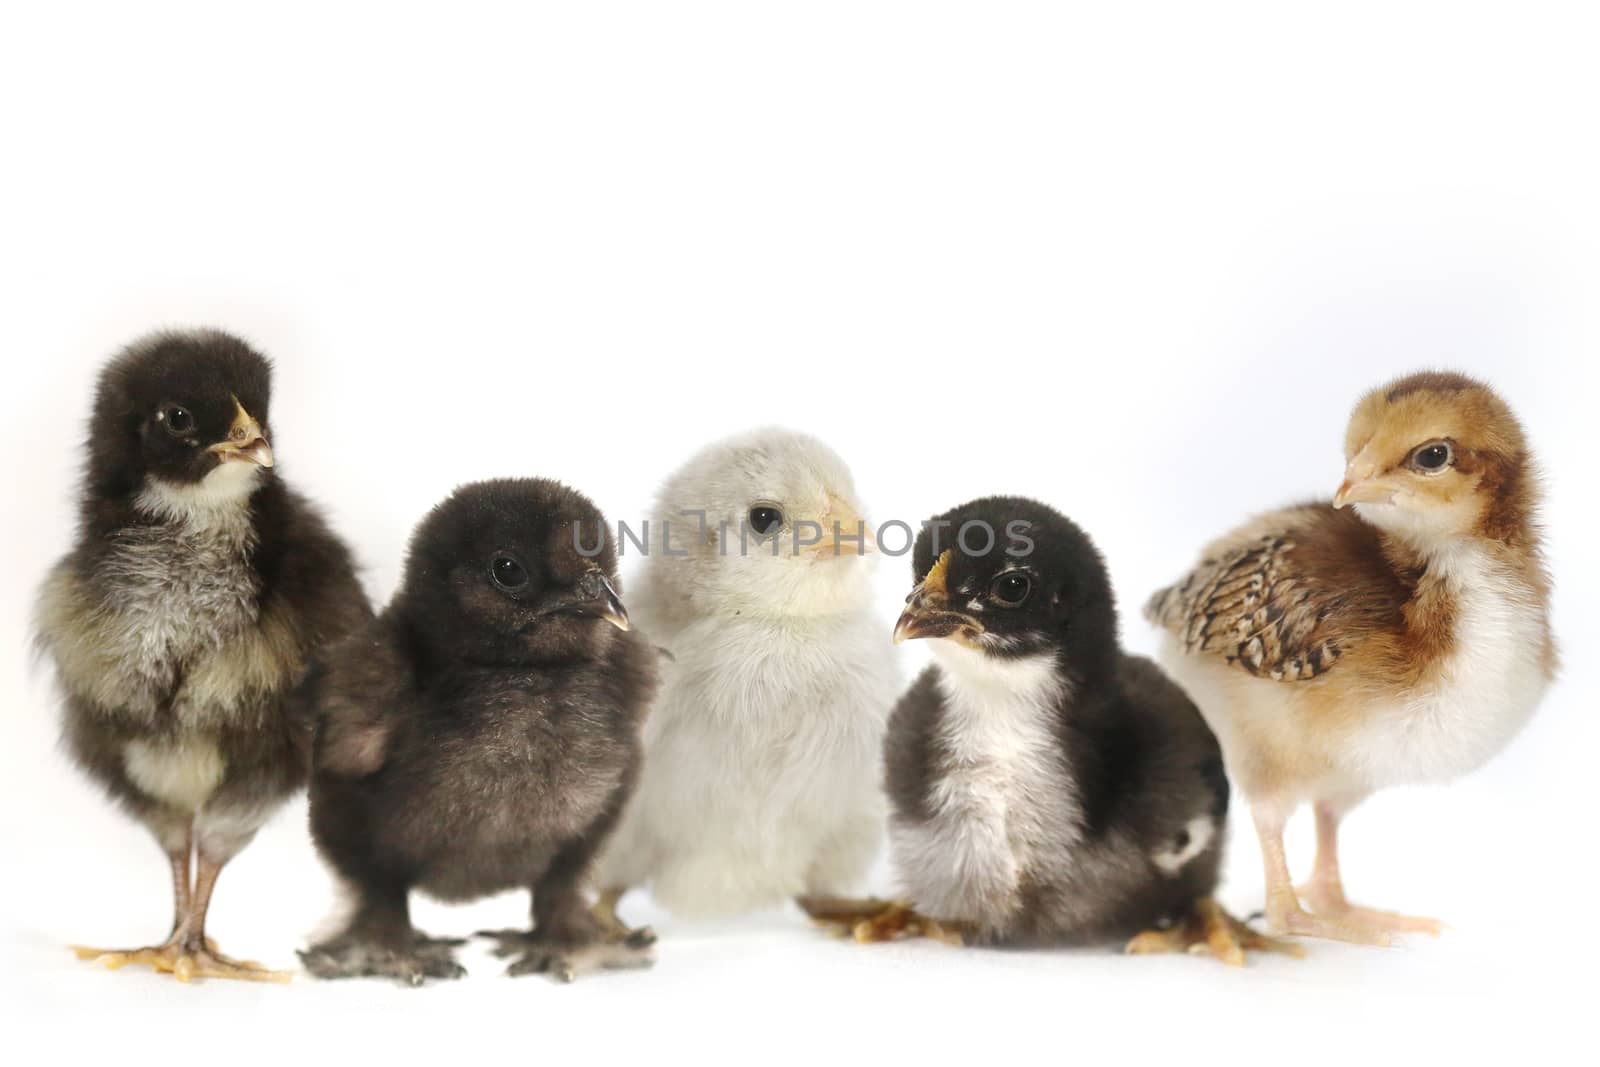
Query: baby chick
x=763 y=746
x=184 y=615
x=1046 y=787
x=1400 y=634
x=481 y=735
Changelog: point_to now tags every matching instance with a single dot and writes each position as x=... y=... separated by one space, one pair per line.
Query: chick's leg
x=182 y=889
x=1209 y=930
x=1284 y=913
x=1324 y=893
x=870 y=921
x=200 y=957
x=179 y=844
x=186 y=954
x=567 y=939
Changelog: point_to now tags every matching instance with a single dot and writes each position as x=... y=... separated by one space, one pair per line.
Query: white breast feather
x=1005 y=793
x=182 y=774
x=181 y=591
x=1485 y=693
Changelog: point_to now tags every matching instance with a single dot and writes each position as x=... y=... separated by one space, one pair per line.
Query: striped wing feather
x=1286 y=597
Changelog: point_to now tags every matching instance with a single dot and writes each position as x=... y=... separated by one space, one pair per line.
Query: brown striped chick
x=1399 y=635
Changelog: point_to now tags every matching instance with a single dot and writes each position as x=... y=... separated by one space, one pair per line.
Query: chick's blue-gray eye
x=1432 y=457
x=178 y=421
x=507 y=573
x=1011 y=589
x=764 y=518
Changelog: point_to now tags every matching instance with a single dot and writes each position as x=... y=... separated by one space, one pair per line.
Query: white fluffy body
x=763 y=749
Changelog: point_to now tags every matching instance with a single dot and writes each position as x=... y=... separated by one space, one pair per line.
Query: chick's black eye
x=178 y=421
x=507 y=573
x=1011 y=589
x=764 y=518
x=1432 y=457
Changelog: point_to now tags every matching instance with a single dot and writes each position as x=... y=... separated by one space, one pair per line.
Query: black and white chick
x=185 y=614
x=482 y=735
x=1045 y=787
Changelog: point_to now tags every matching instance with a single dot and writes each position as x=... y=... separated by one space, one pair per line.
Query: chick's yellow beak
x=245 y=442
x=844 y=533
x=928 y=612
x=1363 y=491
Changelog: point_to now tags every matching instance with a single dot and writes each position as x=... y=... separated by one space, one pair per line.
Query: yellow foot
x=872 y=921
x=1208 y=930
x=1392 y=921
x=1332 y=904
x=1298 y=922
x=183 y=962
x=617 y=932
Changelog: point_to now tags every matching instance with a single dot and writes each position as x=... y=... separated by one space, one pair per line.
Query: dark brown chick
x=482 y=735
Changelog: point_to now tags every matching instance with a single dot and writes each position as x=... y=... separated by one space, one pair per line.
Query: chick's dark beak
x=593 y=595
x=928 y=612
x=918 y=622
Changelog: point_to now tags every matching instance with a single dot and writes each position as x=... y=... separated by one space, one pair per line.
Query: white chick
x=763 y=748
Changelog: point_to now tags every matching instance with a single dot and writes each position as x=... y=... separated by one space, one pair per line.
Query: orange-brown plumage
x=1400 y=634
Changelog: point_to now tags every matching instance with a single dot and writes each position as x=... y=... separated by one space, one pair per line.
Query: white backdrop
x=1136 y=261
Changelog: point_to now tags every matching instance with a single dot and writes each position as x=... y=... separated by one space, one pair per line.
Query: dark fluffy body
x=1130 y=763
x=180 y=631
x=476 y=739
x=306 y=596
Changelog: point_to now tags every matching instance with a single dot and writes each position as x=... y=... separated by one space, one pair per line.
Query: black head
x=497 y=574
x=189 y=409
x=1011 y=577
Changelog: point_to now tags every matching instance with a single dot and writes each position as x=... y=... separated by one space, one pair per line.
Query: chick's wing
x=1286 y=596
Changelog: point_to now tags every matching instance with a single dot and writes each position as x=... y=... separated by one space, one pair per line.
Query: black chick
x=482 y=735
x=184 y=615
x=1046 y=787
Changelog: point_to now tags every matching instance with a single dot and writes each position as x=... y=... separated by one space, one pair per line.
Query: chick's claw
x=427 y=958
x=184 y=962
x=1301 y=923
x=1208 y=930
x=564 y=962
x=875 y=921
x=1392 y=921
x=1329 y=901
